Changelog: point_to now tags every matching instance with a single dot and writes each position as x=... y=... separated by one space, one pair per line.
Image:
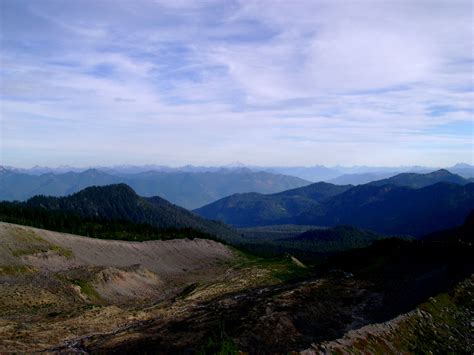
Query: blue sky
x=211 y=82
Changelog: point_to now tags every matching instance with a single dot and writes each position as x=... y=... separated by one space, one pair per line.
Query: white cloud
x=211 y=82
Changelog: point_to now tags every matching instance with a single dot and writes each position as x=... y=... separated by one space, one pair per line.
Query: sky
x=206 y=82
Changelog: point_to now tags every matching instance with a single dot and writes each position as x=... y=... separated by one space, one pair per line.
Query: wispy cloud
x=265 y=82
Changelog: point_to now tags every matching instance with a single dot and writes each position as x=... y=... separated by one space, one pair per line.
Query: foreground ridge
x=443 y=324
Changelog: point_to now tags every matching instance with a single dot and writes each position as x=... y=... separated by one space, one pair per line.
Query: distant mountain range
x=359 y=179
x=337 y=174
x=404 y=204
x=362 y=174
x=252 y=209
x=416 y=209
x=187 y=189
x=421 y=180
x=407 y=204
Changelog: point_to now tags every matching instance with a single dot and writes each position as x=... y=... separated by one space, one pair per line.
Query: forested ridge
x=113 y=212
x=95 y=227
x=386 y=209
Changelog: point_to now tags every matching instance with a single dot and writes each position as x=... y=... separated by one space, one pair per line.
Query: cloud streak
x=209 y=82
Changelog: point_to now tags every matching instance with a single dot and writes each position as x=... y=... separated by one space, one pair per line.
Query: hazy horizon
x=278 y=83
x=229 y=165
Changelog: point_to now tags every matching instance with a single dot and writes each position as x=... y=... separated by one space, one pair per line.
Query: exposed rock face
x=134 y=283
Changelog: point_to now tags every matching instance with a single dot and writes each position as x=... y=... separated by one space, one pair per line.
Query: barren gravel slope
x=60 y=251
x=56 y=287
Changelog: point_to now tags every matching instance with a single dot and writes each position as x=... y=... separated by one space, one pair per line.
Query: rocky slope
x=351 y=290
x=442 y=325
x=57 y=288
x=158 y=262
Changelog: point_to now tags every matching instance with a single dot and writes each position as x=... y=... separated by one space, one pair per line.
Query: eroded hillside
x=59 y=286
